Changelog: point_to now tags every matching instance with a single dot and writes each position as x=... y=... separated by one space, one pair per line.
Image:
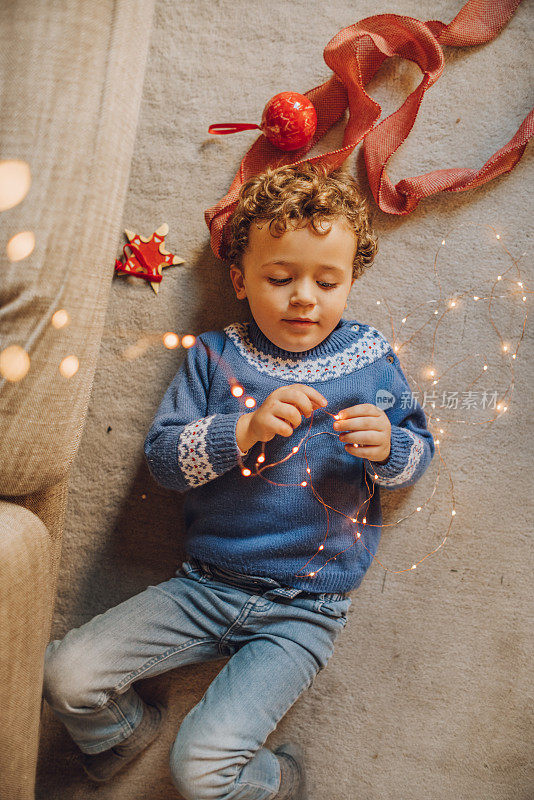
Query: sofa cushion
x=73 y=77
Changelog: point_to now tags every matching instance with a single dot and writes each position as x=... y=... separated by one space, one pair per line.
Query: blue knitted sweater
x=250 y=524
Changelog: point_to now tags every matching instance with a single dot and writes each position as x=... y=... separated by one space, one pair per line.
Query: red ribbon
x=354 y=55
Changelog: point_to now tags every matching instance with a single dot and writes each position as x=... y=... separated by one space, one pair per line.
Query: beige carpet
x=429 y=693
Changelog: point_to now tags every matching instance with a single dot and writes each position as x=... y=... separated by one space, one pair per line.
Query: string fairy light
x=15 y=364
x=246 y=472
x=451 y=303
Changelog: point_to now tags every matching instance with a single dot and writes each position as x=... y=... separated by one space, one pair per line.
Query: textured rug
x=429 y=691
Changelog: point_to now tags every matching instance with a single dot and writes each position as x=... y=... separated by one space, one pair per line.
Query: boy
x=269 y=568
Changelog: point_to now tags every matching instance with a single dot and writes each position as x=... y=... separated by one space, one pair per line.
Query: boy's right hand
x=280 y=412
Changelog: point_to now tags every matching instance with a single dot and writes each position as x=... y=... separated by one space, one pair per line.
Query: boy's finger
x=360 y=423
x=313 y=398
x=361 y=410
x=316 y=397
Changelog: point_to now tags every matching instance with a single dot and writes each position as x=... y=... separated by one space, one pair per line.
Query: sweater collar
x=350 y=346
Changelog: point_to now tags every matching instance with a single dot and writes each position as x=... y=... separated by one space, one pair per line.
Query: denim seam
x=258 y=786
x=134 y=675
x=243 y=614
x=105 y=745
x=237 y=782
x=126 y=726
x=126 y=731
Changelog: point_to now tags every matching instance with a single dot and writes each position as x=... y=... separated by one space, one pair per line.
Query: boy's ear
x=237 y=279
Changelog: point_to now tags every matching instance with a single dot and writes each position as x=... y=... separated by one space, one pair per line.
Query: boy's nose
x=303 y=295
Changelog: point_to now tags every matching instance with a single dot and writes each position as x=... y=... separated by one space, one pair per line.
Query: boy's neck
x=334 y=339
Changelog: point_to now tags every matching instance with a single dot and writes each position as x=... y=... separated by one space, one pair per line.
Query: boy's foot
x=102 y=766
x=293 y=783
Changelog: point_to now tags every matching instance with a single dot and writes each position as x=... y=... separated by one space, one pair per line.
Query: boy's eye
x=281 y=281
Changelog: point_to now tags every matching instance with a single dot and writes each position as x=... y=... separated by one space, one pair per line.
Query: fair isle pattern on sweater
x=417 y=451
x=272 y=527
x=192 y=452
x=364 y=350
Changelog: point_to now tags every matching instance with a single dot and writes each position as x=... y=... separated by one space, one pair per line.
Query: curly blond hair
x=291 y=194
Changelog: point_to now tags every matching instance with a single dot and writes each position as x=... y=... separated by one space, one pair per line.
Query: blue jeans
x=278 y=638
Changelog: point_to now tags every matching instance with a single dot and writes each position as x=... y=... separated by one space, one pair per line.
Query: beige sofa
x=71 y=98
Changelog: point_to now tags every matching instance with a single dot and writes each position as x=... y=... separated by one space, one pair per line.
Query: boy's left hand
x=368 y=427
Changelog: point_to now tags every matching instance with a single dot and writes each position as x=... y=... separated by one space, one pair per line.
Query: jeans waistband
x=259 y=583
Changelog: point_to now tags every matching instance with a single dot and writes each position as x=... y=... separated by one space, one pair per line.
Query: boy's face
x=298 y=274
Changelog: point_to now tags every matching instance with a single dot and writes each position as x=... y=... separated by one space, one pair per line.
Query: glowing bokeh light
x=20 y=246
x=170 y=340
x=15 y=181
x=14 y=363
x=69 y=366
x=60 y=318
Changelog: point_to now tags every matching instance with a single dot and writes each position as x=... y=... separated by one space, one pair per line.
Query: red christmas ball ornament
x=288 y=121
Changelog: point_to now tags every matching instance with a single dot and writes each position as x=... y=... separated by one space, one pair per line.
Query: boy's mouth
x=301 y=321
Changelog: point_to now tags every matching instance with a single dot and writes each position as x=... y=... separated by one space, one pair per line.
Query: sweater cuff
x=208 y=448
x=406 y=451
